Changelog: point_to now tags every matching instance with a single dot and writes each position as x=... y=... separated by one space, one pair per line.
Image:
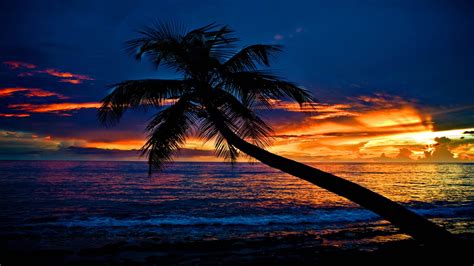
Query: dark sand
x=277 y=250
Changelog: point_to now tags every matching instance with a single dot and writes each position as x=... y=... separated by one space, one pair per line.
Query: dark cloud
x=440 y=154
x=404 y=155
x=95 y=153
x=84 y=153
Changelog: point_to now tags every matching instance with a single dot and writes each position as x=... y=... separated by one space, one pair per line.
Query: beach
x=303 y=249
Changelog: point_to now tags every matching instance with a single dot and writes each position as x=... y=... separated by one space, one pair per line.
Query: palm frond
x=166 y=44
x=153 y=36
x=216 y=39
x=209 y=131
x=139 y=93
x=264 y=87
x=167 y=132
x=238 y=118
x=226 y=150
x=162 y=42
x=247 y=123
x=250 y=57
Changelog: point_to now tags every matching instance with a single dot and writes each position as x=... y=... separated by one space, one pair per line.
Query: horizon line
x=240 y=162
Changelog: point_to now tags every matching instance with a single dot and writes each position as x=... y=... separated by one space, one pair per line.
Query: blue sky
x=420 y=51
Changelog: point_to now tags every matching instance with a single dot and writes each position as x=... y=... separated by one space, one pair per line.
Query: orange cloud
x=53 y=107
x=14 y=115
x=58 y=107
x=18 y=64
x=357 y=130
x=66 y=75
x=318 y=110
x=6 y=92
x=129 y=144
x=29 y=92
x=71 y=81
x=404 y=117
x=43 y=93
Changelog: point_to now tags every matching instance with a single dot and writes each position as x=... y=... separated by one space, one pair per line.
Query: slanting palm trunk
x=409 y=222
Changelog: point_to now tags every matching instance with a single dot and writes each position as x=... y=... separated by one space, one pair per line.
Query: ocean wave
x=452 y=211
x=318 y=217
x=329 y=216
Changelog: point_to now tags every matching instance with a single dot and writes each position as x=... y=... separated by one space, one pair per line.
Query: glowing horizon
x=362 y=128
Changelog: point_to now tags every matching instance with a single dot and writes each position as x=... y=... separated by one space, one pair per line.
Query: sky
x=394 y=79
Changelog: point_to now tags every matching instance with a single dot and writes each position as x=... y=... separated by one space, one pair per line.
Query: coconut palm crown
x=218 y=82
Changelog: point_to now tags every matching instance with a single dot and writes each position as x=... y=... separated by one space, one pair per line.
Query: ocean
x=87 y=204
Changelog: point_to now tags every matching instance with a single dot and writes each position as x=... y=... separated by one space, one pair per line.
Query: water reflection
x=109 y=200
x=248 y=184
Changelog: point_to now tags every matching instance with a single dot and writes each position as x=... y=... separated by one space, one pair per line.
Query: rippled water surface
x=87 y=203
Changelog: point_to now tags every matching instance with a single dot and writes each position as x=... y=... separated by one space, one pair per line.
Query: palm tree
x=216 y=100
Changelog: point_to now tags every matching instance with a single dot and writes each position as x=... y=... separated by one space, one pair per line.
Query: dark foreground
x=281 y=250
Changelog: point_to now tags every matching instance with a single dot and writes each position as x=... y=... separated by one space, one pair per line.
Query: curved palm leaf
x=182 y=52
x=246 y=122
x=250 y=57
x=153 y=36
x=139 y=93
x=265 y=87
x=215 y=38
x=208 y=131
x=168 y=131
x=239 y=119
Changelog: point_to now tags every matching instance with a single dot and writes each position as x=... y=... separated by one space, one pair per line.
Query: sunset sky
x=394 y=80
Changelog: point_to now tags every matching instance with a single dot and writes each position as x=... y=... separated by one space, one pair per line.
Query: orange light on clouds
x=132 y=144
x=14 y=115
x=53 y=107
x=71 y=81
x=43 y=93
x=417 y=138
x=67 y=75
x=6 y=92
x=18 y=64
x=29 y=92
x=349 y=131
x=403 y=116
x=313 y=107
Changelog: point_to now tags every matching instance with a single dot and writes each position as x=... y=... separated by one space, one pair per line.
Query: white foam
x=317 y=217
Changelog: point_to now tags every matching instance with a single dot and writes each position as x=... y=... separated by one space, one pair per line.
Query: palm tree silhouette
x=215 y=100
